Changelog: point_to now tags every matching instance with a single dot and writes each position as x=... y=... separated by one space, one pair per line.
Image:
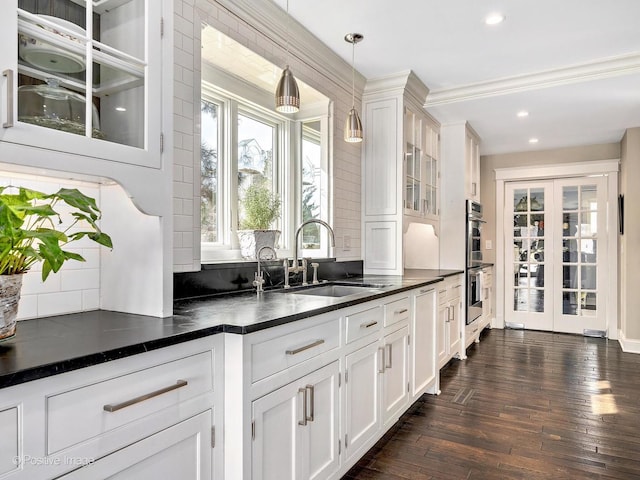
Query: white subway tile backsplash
x=59 y=303
x=90 y=299
x=79 y=279
x=28 y=307
x=32 y=283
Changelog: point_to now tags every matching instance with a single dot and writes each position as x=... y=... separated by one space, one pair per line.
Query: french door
x=555 y=276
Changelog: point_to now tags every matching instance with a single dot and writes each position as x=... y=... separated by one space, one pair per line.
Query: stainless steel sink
x=336 y=290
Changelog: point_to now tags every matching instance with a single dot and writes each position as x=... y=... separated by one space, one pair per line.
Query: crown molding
x=598 y=69
x=404 y=82
x=271 y=22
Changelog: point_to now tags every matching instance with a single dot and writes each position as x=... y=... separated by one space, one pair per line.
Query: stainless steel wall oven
x=474 y=261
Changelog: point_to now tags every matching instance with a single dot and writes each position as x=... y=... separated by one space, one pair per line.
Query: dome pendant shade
x=287 y=93
x=353 y=127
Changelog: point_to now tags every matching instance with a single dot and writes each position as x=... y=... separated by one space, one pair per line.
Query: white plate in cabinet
x=362 y=324
x=284 y=351
x=397 y=311
x=182 y=451
x=9 y=439
x=104 y=406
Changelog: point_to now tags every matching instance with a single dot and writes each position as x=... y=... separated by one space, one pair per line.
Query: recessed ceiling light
x=533 y=140
x=121 y=109
x=523 y=113
x=494 y=19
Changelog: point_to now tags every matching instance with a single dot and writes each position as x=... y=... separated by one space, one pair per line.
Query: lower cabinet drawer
x=363 y=323
x=276 y=354
x=78 y=415
x=397 y=311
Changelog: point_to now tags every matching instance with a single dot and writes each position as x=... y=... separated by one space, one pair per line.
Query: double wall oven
x=473 y=265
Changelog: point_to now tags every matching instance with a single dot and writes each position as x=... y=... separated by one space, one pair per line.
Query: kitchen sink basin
x=333 y=290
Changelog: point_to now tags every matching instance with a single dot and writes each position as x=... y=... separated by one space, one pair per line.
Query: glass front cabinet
x=421 y=153
x=83 y=77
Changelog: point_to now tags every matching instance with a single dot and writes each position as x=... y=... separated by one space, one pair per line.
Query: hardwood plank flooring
x=524 y=405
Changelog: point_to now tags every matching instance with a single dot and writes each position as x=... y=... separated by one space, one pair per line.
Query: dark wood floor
x=524 y=405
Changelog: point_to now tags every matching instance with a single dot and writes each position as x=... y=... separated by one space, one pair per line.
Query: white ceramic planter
x=251 y=241
x=10 y=286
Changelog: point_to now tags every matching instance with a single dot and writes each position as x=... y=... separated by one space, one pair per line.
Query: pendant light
x=287 y=93
x=353 y=125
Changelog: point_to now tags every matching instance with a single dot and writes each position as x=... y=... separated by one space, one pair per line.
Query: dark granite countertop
x=58 y=344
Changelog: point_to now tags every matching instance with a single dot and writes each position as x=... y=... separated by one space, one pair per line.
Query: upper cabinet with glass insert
x=420 y=165
x=83 y=77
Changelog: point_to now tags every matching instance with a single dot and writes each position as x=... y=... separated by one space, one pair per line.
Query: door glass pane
x=570 y=225
x=520 y=203
x=589 y=225
x=589 y=303
x=537 y=300
x=569 y=198
x=536 y=199
x=589 y=199
x=588 y=250
x=569 y=250
x=521 y=300
x=569 y=303
x=537 y=224
x=569 y=276
x=588 y=277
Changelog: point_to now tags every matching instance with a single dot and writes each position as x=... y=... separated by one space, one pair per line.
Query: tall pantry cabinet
x=400 y=168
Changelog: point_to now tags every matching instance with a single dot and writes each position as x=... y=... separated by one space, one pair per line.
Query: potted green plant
x=28 y=235
x=261 y=208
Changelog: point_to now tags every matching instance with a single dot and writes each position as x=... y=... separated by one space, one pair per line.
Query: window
x=243 y=144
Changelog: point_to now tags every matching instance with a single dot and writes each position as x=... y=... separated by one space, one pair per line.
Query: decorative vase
x=251 y=241
x=10 y=286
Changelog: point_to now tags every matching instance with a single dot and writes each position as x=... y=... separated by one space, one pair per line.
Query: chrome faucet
x=258 y=282
x=302 y=266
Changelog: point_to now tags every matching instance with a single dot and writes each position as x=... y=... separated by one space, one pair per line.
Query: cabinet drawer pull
x=9 y=74
x=312 y=393
x=119 y=406
x=303 y=422
x=426 y=290
x=295 y=351
x=370 y=324
x=400 y=312
x=389 y=354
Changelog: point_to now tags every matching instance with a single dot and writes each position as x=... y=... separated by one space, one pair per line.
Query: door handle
x=389 y=363
x=9 y=75
x=312 y=401
x=303 y=422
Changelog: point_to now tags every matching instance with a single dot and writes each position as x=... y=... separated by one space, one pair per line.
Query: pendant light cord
x=286 y=58
x=353 y=74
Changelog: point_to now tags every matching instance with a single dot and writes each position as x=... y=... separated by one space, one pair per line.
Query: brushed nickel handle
x=9 y=75
x=312 y=401
x=303 y=422
x=370 y=324
x=389 y=354
x=400 y=312
x=119 y=406
x=295 y=351
x=381 y=359
x=452 y=313
x=425 y=290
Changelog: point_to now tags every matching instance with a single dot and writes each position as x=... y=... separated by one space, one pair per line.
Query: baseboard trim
x=628 y=345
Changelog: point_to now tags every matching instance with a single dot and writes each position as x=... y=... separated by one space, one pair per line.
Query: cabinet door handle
x=303 y=422
x=389 y=353
x=119 y=406
x=448 y=315
x=295 y=351
x=400 y=312
x=381 y=360
x=312 y=401
x=452 y=313
x=370 y=324
x=9 y=75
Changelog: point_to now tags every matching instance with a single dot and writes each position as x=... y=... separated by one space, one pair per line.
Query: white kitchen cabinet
x=400 y=168
x=151 y=415
x=423 y=341
x=362 y=409
x=449 y=319
x=487 y=296
x=182 y=451
x=58 y=54
x=296 y=429
x=395 y=374
x=460 y=181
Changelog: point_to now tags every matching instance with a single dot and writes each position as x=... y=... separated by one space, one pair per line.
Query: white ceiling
x=574 y=65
